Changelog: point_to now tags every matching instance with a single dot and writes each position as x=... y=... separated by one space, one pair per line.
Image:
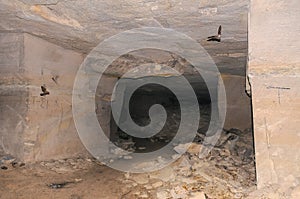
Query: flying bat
x=44 y=91
x=216 y=37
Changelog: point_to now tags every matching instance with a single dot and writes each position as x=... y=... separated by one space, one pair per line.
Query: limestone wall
x=274 y=75
x=37 y=127
x=238 y=104
x=13 y=92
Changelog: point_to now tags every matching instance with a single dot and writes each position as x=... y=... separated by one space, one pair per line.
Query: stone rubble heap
x=227 y=172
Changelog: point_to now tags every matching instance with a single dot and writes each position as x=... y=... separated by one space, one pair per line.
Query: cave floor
x=227 y=172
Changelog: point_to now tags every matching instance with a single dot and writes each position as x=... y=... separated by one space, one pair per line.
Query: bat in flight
x=44 y=91
x=216 y=37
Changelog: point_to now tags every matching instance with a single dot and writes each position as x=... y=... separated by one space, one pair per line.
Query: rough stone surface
x=82 y=24
x=221 y=174
x=197 y=195
x=264 y=17
x=276 y=118
x=238 y=104
x=51 y=124
x=296 y=192
x=30 y=130
x=13 y=92
x=42 y=127
x=273 y=72
x=47 y=64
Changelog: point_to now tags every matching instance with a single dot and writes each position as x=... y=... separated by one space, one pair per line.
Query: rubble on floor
x=9 y=162
x=228 y=172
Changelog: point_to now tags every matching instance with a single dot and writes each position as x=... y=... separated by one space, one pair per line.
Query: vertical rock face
x=51 y=126
x=274 y=77
x=13 y=93
x=37 y=127
x=238 y=110
x=273 y=27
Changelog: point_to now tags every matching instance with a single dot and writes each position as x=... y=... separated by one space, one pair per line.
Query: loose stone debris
x=58 y=185
x=70 y=164
x=227 y=172
x=9 y=162
x=63 y=184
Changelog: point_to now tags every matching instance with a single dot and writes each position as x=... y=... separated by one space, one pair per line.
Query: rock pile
x=227 y=172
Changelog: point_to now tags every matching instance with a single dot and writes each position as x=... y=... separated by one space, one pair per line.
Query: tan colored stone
x=50 y=131
x=157 y=184
x=295 y=193
x=273 y=71
x=140 y=178
x=197 y=195
x=194 y=148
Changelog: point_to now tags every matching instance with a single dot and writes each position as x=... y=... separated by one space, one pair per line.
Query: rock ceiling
x=82 y=24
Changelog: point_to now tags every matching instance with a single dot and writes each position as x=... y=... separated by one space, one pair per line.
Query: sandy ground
x=33 y=181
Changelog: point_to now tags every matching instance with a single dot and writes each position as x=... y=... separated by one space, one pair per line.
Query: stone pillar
x=274 y=76
x=103 y=99
x=238 y=104
x=37 y=127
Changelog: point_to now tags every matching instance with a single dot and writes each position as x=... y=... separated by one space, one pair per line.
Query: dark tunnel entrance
x=148 y=95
